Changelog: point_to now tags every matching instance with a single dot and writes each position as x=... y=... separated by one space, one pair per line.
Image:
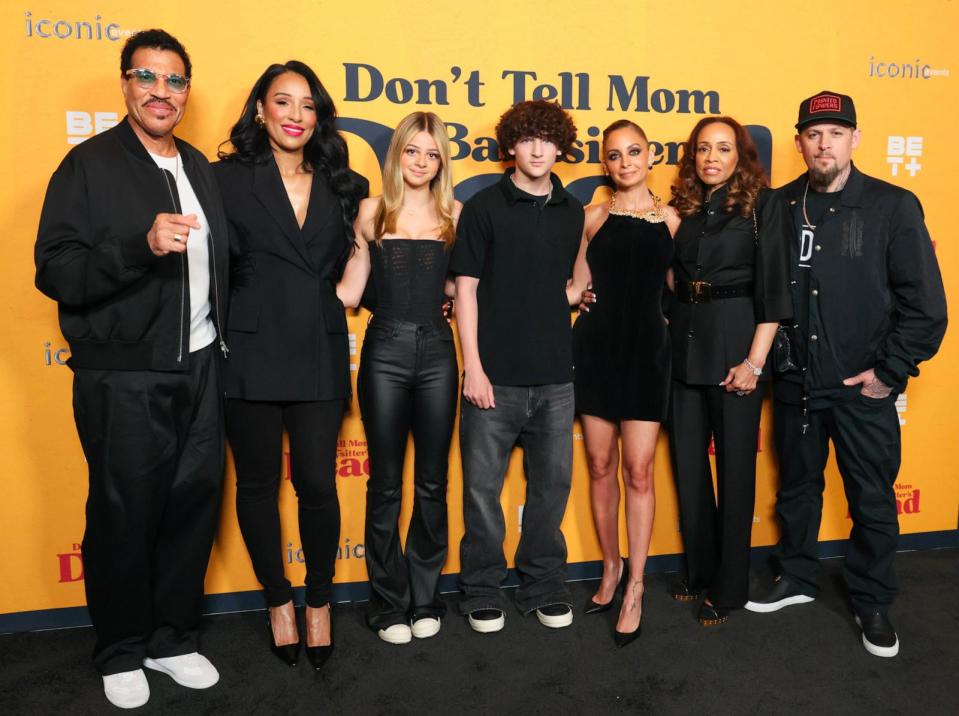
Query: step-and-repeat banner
x=663 y=66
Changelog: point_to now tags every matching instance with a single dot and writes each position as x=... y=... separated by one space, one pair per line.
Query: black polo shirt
x=522 y=251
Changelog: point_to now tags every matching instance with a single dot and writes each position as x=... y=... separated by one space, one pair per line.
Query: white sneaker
x=396 y=634
x=191 y=670
x=555 y=616
x=127 y=690
x=487 y=621
x=426 y=627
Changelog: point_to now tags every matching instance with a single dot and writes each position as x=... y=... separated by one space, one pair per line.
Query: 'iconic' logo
x=73 y=29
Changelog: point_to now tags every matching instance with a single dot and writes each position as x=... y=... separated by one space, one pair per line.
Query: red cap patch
x=825 y=103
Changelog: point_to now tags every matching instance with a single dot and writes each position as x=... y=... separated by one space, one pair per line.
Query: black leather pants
x=408 y=381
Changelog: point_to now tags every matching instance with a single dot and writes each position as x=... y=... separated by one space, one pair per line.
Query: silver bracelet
x=756 y=371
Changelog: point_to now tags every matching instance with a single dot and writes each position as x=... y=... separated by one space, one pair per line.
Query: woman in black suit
x=290 y=201
x=731 y=290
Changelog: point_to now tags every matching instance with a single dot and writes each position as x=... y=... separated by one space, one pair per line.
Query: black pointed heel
x=622 y=638
x=319 y=655
x=287 y=653
x=594 y=607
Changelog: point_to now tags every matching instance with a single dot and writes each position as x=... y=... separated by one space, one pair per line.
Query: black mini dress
x=621 y=348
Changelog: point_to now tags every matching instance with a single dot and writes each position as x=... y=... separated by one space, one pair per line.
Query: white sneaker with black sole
x=487 y=621
x=555 y=616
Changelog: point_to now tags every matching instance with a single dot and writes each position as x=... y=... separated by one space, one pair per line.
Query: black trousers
x=153 y=443
x=716 y=527
x=865 y=433
x=408 y=382
x=255 y=431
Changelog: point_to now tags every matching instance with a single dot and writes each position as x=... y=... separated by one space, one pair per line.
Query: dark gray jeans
x=540 y=419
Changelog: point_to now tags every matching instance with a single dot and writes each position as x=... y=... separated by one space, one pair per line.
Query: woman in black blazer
x=290 y=201
x=731 y=290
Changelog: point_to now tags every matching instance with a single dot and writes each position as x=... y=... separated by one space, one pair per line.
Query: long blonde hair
x=394 y=188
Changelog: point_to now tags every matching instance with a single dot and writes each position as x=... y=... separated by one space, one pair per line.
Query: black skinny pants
x=408 y=381
x=255 y=431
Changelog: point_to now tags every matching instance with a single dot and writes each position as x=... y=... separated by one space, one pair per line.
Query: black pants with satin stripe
x=865 y=434
x=408 y=383
x=716 y=526
x=255 y=431
x=154 y=446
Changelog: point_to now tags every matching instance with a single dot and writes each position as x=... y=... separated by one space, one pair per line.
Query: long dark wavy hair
x=744 y=185
x=325 y=153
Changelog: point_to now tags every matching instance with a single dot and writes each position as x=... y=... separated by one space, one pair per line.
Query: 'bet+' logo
x=898 y=148
x=83 y=125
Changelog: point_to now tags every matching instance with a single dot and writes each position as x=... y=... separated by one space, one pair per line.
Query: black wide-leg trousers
x=255 y=431
x=408 y=383
x=716 y=526
x=153 y=442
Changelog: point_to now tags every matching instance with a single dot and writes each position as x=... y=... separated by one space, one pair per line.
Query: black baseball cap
x=827 y=106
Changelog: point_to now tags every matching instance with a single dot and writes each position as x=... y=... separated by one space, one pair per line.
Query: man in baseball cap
x=826 y=107
x=869 y=306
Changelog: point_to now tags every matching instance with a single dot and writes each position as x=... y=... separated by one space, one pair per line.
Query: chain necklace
x=805 y=216
x=656 y=215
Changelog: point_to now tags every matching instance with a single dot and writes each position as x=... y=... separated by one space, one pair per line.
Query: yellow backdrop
x=660 y=65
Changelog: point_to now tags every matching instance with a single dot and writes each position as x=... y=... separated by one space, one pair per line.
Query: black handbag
x=784 y=351
x=784 y=356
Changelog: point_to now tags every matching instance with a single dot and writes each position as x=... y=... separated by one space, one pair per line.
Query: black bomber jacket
x=120 y=306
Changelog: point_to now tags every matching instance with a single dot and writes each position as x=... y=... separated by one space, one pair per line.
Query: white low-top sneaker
x=191 y=670
x=426 y=627
x=396 y=634
x=127 y=690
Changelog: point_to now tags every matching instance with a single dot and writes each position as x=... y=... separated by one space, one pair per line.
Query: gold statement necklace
x=656 y=215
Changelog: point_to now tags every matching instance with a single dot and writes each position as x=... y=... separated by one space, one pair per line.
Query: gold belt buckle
x=700 y=291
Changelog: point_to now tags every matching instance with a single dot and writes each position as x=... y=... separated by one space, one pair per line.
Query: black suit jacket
x=710 y=338
x=286 y=327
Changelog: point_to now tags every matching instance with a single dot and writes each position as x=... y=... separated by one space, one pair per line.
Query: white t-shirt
x=202 y=332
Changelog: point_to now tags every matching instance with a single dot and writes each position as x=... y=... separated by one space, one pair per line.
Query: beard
x=822 y=178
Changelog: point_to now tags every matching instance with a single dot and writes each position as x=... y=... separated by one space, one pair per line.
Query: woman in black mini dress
x=621 y=354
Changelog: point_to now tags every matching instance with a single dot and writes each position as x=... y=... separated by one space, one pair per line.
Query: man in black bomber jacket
x=869 y=306
x=132 y=245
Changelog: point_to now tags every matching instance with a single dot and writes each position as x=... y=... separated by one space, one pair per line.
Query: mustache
x=158 y=100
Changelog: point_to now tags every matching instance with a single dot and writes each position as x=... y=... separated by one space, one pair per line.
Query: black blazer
x=286 y=327
x=710 y=338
